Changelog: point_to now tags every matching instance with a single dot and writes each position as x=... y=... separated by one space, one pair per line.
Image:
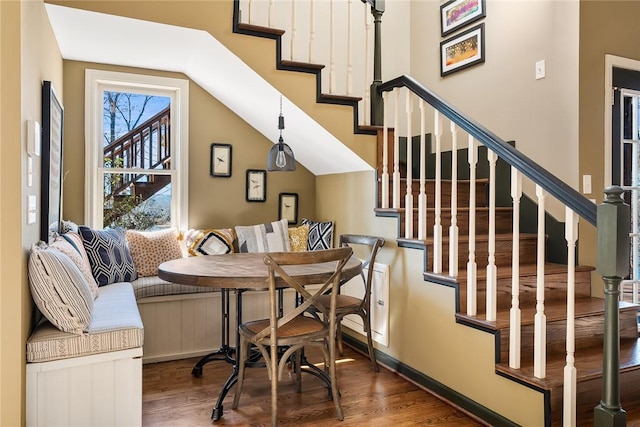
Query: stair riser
x=462 y=197
x=503 y=251
x=504 y=221
x=588 y=331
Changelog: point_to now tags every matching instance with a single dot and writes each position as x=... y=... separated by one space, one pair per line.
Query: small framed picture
x=288 y=207
x=462 y=50
x=220 y=160
x=455 y=14
x=256 y=185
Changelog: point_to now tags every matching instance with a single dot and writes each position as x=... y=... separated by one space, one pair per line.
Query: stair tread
x=553 y=310
x=465 y=238
x=347 y=98
x=503 y=272
x=446 y=209
x=588 y=363
x=260 y=29
x=299 y=64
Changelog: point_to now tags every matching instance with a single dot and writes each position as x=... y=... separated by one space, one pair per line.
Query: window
x=136 y=152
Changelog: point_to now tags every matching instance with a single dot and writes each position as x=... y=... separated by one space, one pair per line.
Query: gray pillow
x=269 y=237
x=109 y=255
x=59 y=289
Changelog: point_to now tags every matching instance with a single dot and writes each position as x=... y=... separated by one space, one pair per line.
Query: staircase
x=147 y=146
x=485 y=239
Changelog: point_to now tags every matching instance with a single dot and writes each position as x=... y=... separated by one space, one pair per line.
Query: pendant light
x=280 y=156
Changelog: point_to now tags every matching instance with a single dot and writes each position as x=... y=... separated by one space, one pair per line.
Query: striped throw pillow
x=59 y=290
x=269 y=237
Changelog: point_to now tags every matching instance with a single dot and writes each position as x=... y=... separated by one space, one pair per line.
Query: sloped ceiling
x=95 y=37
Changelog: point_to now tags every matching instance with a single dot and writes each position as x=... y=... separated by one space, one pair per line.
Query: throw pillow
x=298 y=237
x=59 y=289
x=108 y=254
x=71 y=245
x=149 y=249
x=210 y=242
x=320 y=234
x=269 y=237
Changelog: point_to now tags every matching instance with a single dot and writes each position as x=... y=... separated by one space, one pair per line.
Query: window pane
x=136 y=130
x=137 y=201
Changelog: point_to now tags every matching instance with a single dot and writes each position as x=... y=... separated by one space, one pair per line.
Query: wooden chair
x=293 y=331
x=346 y=305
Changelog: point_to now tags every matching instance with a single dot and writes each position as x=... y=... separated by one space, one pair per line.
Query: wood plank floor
x=172 y=397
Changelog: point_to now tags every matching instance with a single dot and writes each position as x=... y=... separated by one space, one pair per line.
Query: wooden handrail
x=549 y=182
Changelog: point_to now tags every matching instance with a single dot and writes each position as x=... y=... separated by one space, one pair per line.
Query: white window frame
x=98 y=81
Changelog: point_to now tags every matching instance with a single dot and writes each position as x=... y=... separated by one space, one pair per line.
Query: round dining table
x=241 y=272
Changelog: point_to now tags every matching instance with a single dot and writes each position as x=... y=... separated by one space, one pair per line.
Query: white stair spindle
x=293 y=29
x=635 y=215
x=453 y=227
x=422 y=196
x=367 y=66
x=437 y=227
x=349 y=53
x=492 y=271
x=515 y=314
x=472 y=276
x=569 y=404
x=250 y=12
x=270 y=23
x=396 y=152
x=540 y=319
x=385 y=152
x=312 y=30
x=332 y=59
x=408 y=198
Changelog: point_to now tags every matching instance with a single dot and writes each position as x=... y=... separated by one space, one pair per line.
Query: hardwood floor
x=172 y=397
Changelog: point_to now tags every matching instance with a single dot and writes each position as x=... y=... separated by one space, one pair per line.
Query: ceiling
x=95 y=37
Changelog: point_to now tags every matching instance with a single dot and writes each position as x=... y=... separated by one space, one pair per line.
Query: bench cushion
x=145 y=287
x=115 y=325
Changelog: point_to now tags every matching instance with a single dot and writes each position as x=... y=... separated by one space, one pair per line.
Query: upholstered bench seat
x=115 y=325
x=153 y=286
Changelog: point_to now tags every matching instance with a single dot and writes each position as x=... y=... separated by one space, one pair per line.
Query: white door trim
x=611 y=61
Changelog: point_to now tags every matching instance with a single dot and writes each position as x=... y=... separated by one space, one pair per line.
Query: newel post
x=377 y=107
x=612 y=263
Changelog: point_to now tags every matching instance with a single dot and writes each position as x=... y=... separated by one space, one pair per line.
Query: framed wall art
x=288 y=207
x=51 y=185
x=462 y=50
x=220 y=164
x=256 y=185
x=455 y=14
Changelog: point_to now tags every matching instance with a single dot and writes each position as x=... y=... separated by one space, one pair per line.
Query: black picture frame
x=462 y=50
x=455 y=14
x=221 y=160
x=288 y=207
x=51 y=183
x=256 y=190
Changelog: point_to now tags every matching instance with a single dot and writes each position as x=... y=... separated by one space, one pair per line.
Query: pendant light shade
x=280 y=157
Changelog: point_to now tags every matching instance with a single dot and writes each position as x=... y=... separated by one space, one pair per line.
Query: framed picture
x=288 y=207
x=51 y=188
x=462 y=51
x=458 y=13
x=220 y=160
x=256 y=185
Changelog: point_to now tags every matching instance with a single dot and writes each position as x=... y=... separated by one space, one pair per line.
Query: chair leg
x=339 y=336
x=298 y=367
x=372 y=352
x=334 y=378
x=243 y=352
x=273 y=367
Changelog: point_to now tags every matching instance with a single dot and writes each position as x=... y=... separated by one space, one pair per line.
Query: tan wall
x=213 y=202
x=29 y=54
x=606 y=27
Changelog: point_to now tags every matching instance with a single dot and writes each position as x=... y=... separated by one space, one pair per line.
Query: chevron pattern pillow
x=108 y=254
x=320 y=234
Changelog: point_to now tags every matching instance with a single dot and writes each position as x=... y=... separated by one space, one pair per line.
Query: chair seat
x=298 y=327
x=342 y=301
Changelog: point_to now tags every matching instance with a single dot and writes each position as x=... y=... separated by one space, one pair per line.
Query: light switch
x=541 y=72
x=586 y=184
